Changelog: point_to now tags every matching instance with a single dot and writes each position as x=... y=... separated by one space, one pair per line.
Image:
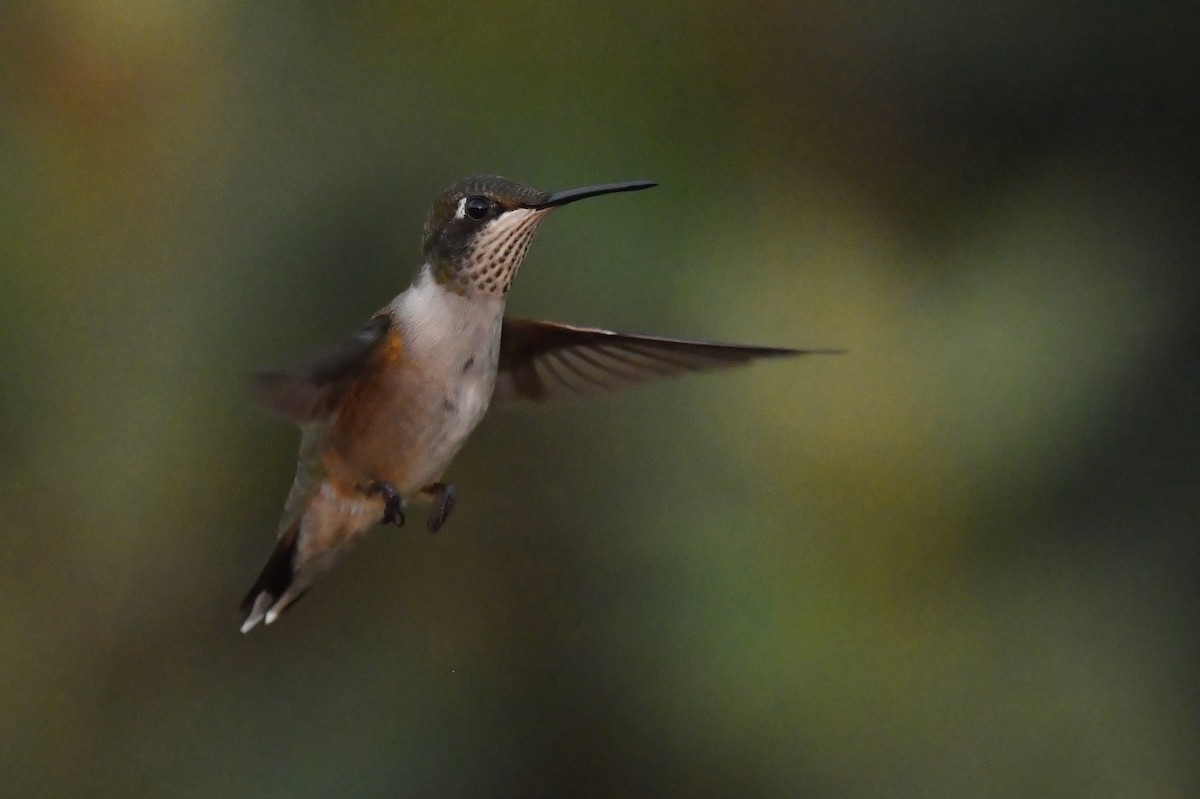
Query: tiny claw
x=393 y=515
x=393 y=511
x=446 y=495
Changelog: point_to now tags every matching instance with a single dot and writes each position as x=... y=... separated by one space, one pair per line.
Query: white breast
x=458 y=339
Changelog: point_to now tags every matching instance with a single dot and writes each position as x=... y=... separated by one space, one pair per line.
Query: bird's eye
x=478 y=207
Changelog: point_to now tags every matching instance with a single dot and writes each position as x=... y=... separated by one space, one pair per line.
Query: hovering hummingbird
x=383 y=415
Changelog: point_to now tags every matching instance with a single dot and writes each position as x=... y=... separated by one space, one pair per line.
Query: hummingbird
x=384 y=414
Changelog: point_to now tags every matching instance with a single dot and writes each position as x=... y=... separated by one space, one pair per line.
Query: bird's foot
x=393 y=511
x=444 y=496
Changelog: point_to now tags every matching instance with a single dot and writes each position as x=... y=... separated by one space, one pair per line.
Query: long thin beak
x=571 y=195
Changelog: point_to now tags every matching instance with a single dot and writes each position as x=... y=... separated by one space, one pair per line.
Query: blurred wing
x=311 y=390
x=542 y=360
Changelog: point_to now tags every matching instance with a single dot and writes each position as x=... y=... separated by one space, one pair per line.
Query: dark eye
x=478 y=207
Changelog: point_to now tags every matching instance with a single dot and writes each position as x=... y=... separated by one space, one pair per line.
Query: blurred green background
x=960 y=560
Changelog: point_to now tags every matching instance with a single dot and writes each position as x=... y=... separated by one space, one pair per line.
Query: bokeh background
x=959 y=560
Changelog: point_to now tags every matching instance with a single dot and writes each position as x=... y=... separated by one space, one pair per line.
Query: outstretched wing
x=542 y=360
x=311 y=390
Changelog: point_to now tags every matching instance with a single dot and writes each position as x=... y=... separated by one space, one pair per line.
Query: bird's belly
x=407 y=421
x=415 y=427
x=456 y=414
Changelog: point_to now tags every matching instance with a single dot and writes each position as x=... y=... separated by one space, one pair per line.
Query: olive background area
x=958 y=560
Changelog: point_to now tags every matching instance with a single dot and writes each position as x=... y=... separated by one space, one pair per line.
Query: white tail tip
x=259 y=611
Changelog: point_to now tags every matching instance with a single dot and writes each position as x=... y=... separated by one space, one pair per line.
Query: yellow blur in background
x=959 y=560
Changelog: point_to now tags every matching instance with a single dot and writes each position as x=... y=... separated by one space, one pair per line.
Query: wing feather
x=543 y=360
x=310 y=390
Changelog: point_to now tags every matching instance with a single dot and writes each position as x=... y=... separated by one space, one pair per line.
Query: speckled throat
x=496 y=253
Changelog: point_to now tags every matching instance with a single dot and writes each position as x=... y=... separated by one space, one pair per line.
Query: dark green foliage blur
x=960 y=560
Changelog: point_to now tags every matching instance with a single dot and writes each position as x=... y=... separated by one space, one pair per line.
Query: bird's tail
x=275 y=587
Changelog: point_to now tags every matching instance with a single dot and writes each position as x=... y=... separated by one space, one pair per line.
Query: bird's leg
x=393 y=511
x=444 y=496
